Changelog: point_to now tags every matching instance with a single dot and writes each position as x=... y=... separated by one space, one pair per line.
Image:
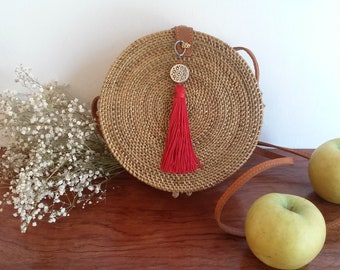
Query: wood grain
x=141 y=227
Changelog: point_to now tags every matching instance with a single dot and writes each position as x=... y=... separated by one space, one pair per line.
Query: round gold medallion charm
x=179 y=73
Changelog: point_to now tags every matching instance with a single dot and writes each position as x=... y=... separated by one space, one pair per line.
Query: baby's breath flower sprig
x=55 y=157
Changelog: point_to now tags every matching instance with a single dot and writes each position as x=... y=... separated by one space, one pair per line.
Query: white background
x=297 y=43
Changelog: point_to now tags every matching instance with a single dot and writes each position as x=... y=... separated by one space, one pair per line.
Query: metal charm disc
x=179 y=73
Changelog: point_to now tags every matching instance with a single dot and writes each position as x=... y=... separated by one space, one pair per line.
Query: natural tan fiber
x=223 y=101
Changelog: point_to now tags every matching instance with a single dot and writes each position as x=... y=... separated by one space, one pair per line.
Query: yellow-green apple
x=285 y=231
x=324 y=170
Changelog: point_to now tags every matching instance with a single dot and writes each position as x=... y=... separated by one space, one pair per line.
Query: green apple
x=324 y=170
x=285 y=231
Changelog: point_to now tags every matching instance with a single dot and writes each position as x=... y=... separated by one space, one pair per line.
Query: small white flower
x=41 y=205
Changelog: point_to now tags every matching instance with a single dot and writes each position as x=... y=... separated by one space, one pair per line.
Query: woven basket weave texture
x=224 y=105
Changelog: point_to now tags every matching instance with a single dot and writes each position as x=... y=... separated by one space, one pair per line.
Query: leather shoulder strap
x=253 y=58
x=94 y=112
x=275 y=160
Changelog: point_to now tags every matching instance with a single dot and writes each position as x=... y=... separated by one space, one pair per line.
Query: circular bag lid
x=223 y=102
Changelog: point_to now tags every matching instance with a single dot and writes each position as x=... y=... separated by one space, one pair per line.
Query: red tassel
x=179 y=156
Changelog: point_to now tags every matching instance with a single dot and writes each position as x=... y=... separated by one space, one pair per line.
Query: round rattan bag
x=223 y=103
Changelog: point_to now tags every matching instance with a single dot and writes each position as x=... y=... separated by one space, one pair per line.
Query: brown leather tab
x=185 y=34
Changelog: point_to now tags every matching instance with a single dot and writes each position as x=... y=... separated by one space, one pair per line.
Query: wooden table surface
x=139 y=227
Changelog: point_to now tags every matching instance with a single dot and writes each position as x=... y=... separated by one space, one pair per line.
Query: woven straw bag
x=224 y=110
x=223 y=102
